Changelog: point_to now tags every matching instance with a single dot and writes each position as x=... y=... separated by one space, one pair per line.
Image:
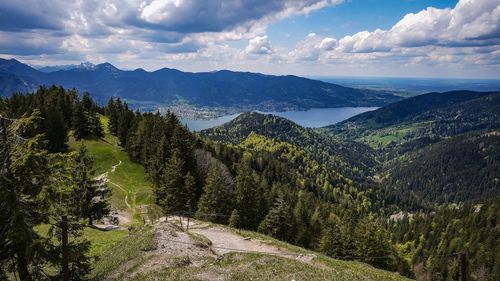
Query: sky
x=391 y=38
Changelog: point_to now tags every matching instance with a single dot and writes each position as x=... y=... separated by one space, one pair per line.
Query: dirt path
x=124 y=217
x=225 y=241
x=113 y=169
x=104 y=176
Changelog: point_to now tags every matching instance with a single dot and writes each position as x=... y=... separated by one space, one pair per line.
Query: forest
x=259 y=172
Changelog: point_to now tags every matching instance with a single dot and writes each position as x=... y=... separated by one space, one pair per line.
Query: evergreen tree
x=94 y=126
x=373 y=241
x=278 y=221
x=87 y=103
x=112 y=113
x=248 y=198
x=56 y=132
x=23 y=177
x=91 y=195
x=216 y=202
x=234 y=220
x=170 y=192
x=335 y=240
x=124 y=124
x=79 y=123
x=190 y=193
x=36 y=188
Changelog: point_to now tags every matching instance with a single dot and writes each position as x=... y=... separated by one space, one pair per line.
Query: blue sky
x=410 y=38
x=350 y=17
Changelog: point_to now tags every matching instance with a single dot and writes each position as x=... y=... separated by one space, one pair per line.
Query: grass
x=394 y=134
x=249 y=266
x=130 y=176
x=128 y=249
x=101 y=242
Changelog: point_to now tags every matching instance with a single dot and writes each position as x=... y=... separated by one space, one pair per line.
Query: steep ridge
x=351 y=159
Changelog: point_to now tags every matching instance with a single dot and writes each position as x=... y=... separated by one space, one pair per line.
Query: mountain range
x=228 y=89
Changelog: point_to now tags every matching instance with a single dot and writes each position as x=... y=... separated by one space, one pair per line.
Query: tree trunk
x=65 y=254
x=91 y=222
x=22 y=265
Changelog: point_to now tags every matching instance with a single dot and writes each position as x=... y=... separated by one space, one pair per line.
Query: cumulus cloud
x=259 y=45
x=312 y=47
x=465 y=36
x=169 y=22
x=469 y=23
x=183 y=31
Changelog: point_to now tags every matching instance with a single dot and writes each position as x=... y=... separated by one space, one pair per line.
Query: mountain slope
x=172 y=253
x=459 y=169
x=425 y=117
x=242 y=90
x=349 y=158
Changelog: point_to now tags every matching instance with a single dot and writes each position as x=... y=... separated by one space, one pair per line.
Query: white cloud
x=470 y=23
x=312 y=47
x=259 y=45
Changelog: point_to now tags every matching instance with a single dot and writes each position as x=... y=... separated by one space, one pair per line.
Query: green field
x=128 y=181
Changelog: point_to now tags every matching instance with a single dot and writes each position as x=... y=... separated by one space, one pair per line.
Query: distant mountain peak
x=86 y=66
x=106 y=65
x=242 y=91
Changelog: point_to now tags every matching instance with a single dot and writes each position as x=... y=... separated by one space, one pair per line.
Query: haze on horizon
x=404 y=38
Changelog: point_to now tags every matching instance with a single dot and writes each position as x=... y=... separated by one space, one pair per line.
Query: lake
x=312 y=118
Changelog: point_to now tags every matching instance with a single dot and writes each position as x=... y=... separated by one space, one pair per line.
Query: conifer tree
x=79 y=122
x=373 y=241
x=190 y=193
x=125 y=120
x=278 y=221
x=112 y=113
x=91 y=195
x=234 y=220
x=335 y=240
x=56 y=131
x=248 y=198
x=22 y=180
x=35 y=188
x=170 y=192
x=216 y=202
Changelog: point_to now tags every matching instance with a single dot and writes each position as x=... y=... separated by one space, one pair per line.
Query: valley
x=383 y=195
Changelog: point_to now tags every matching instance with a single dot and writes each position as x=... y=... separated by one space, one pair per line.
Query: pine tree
x=91 y=195
x=56 y=132
x=216 y=202
x=112 y=113
x=170 y=192
x=87 y=103
x=36 y=189
x=124 y=124
x=93 y=125
x=248 y=198
x=278 y=221
x=335 y=240
x=373 y=241
x=234 y=220
x=190 y=193
x=79 y=122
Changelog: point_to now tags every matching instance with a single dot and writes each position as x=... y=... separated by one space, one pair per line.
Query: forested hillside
x=422 y=119
x=351 y=159
x=434 y=240
x=427 y=164
x=262 y=184
x=395 y=209
x=459 y=169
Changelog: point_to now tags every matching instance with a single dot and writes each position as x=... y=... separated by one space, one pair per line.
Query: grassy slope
x=254 y=266
x=129 y=176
